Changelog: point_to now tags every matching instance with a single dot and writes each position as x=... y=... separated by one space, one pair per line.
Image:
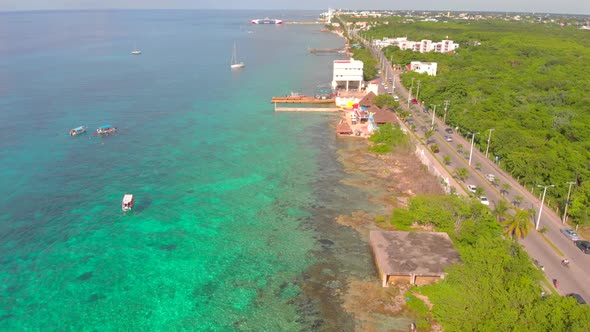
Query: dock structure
x=326 y=50
x=306 y=22
x=301 y=100
x=307 y=109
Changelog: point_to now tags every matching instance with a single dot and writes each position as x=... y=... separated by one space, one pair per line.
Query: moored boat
x=106 y=130
x=266 y=20
x=127 y=203
x=78 y=130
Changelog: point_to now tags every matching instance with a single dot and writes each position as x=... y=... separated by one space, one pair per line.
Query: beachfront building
x=417 y=258
x=347 y=75
x=428 y=68
x=423 y=46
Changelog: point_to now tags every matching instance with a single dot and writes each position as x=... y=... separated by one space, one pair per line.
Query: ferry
x=106 y=130
x=78 y=130
x=127 y=203
x=266 y=20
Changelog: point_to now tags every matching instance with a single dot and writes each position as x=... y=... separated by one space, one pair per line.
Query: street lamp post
x=433 y=115
x=567 y=201
x=418 y=90
x=446 y=106
x=489 y=138
x=409 y=97
x=542 y=201
x=471 y=152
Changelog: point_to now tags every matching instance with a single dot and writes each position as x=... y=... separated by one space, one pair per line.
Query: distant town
x=578 y=21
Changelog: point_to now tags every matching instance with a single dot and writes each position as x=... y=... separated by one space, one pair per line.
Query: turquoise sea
x=235 y=204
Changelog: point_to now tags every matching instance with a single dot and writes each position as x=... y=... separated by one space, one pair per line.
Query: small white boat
x=78 y=130
x=234 y=60
x=135 y=51
x=106 y=130
x=128 y=201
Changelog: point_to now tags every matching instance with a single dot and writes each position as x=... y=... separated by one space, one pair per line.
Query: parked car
x=484 y=200
x=448 y=138
x=490 y=177
x=583 y=245
x=570 y=234
x=578 y=298
x=472 y=188
x=414 y=101
x=448 y=130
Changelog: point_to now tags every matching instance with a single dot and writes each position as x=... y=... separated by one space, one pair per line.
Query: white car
x=484 y=200
x=490 y=177
x=448 y=138
x=472 y=188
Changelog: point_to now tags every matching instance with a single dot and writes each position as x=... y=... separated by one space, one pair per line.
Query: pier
x=326 y=50
x=307 y=109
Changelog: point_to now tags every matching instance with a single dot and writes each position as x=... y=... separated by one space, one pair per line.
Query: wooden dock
x=326 y=50
x=307 y=109
x=301 y=100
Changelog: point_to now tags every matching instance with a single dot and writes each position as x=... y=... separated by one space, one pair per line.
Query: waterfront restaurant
x=417 y=258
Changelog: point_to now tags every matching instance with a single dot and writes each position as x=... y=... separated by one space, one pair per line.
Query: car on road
x=570 y=234
x=484 y=200
x=448 y=138
x=448 y=130
x=472 y=188
x=583 y=245
x=490 y=177
x=396 y=98
x=578 y=298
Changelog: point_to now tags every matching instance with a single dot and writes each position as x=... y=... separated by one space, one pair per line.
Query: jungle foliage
x=527 y=81
x=388 y=137
x=369 y=63
x=496 y=287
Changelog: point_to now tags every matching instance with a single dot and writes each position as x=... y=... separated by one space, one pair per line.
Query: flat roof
x=419 y=253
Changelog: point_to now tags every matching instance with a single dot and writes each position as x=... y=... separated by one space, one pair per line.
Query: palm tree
x=501 y=210
x=462 y=173
x=518 y=226
x=518 y=200
x=505 y=188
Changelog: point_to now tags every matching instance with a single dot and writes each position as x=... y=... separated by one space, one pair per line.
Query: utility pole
x=418 y=90
x=567 y=201
x=542 y=201
x=489 y=138
x=446 y=106
x=471 y=152
x=409 y=97
x=433 y=115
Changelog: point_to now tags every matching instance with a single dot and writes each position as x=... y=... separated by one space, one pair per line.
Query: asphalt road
x=548 y=248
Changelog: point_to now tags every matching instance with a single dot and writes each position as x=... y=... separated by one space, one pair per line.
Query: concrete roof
x=420 y=253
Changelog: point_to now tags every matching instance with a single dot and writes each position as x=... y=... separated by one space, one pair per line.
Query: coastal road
x=549 y=247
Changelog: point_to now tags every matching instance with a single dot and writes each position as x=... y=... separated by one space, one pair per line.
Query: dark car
x=584 y=246
x=449 y=131
x=578 y=298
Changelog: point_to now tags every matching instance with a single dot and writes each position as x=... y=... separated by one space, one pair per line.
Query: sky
x=537 y=6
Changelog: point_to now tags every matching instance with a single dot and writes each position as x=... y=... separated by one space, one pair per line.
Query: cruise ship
x=266 y=21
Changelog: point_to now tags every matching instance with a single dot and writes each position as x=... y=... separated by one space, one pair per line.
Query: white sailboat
x=135 y=51
x=234 y=60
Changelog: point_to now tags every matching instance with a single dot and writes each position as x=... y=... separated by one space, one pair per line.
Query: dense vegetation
x=369 y=63
x=387 y=138
x=496 y=288
x=529 y=82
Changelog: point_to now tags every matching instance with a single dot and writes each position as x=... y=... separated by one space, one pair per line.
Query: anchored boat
x=106 y=130
x=78 y=130
x=127 y=203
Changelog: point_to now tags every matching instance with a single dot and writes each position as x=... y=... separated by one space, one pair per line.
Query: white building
x=348 y=74
x=423 y=46
x=424 y=67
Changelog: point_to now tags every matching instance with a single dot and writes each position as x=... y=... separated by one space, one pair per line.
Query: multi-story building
x=347 y=74
x=424 y=67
